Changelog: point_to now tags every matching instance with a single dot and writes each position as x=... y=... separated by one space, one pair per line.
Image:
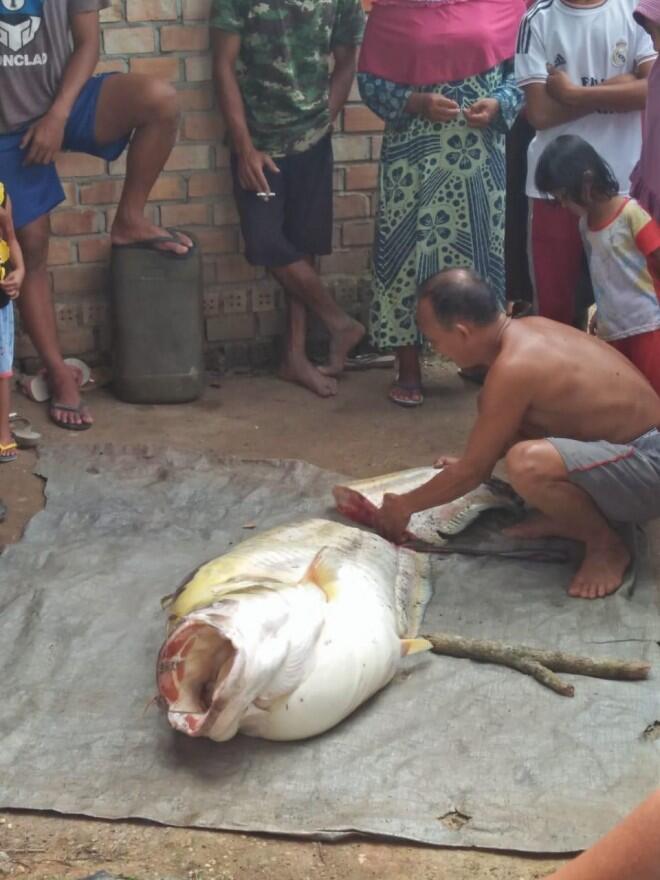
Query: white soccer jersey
x=591 y=44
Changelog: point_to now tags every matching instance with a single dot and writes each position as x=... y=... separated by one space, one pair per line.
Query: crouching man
x=575 y=420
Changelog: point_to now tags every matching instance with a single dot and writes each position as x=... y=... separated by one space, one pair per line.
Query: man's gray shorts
x=622 y=479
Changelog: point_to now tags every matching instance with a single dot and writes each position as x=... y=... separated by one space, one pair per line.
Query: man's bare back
x=579 y=386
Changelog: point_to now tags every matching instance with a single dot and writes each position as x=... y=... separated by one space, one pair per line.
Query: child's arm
x=12 y=283
x=620 y=95
x=44 y=139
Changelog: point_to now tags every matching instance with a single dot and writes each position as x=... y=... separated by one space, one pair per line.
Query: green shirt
x=283 y=67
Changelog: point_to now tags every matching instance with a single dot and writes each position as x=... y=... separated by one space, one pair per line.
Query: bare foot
x=602 y=570
x=65 y=389
x=300 y=370
x=125 y=233
x=536 y=525
x=342 y=342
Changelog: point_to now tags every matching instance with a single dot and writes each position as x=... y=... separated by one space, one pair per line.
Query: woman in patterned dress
x=439 y=73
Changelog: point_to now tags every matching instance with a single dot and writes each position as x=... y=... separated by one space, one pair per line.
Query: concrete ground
x=357 y=433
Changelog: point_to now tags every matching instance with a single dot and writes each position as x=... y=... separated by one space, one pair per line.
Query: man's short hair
x=461 y=295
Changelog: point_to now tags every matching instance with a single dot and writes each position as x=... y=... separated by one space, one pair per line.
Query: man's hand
x=12 y=283
x=43 y=140
x=436 y=108
x=482 y=113
x=445 y=461
x=393 y=518
x=251 y=166
x=559 y=86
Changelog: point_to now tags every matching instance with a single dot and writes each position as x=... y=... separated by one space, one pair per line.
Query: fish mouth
x=193 y=664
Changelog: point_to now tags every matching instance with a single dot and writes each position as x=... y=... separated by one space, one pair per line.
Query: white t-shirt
x=591 y=45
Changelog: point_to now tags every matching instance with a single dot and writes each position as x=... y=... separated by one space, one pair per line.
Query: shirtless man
x=576 y=422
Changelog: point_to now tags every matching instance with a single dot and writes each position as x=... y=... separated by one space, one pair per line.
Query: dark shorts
x=36 y=189
x=622 y=479
x=297 y=222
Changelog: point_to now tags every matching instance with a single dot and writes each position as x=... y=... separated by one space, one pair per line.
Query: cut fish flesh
x=360 y=501
x=287 y=634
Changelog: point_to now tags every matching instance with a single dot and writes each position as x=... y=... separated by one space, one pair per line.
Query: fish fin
x=322 y=574
x=414 y=646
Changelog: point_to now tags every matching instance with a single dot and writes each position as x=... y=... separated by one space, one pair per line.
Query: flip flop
x=69 y=426
x=22 y=432
x=36 y=387
x=411 y=388
x=7 y=452
x=151 y=244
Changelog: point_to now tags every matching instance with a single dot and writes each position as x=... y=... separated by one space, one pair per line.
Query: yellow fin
x=322 y=574
x=414 y=646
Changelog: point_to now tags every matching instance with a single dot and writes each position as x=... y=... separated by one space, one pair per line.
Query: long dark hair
x=564 y=164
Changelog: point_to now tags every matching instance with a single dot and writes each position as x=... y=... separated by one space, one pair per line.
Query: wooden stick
x=538 y=663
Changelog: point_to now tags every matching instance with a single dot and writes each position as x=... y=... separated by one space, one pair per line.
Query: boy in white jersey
x=583 y=66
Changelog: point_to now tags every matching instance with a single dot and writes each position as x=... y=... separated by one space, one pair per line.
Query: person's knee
x=159 y=101
x=530 y=463
x=34 y=240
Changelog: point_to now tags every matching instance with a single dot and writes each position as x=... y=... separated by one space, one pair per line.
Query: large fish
x=359 y=502
x=290 y=632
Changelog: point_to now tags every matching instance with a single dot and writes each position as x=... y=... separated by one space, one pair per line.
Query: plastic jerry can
x=158 y=326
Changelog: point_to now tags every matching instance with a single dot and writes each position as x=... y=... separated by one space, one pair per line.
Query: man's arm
x=343 y=75
x=617 y=95
x=226 y=47
x=503 y=403
x=44 y=139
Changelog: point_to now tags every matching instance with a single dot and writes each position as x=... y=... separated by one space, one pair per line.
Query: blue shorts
x=36 y=189
x=6 y=340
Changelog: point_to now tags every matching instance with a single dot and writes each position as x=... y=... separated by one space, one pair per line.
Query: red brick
x=338 y=179
x=188 y=157
x=225 y=212
x=102 y=192
x=70 y=197
x=113 y=13
x=151 y=10
x=351 y=205
x=234 y=267
x=209 y=183
x=360 y=118
x=168 y=187
x=196 y=97
x=198 y=69
x=79 y=165
x=163 y=68
x=376 y=146
x=354 y=148
x=129 y=40
x=271 y=323
x=222 y=157
x=196 y=10
x=181 y=215
x=111 y=65
x=351 y=262
x=59 y=252
x=217 y=241
x=69 y=222
x=357 y=233
x=230 y=327
x=184 y=39
x=77 y=342
x=118 y=167
x=79 y=279
x=362 y=176
x=94 y=250
x=202 y=126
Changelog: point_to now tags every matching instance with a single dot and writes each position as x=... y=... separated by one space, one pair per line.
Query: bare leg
x=538 y=474
x=408 y=385
x=300 y=280
x=630 y=852
x=296 y=367
x=5 y=395
x=149 y=107
x=36 y=310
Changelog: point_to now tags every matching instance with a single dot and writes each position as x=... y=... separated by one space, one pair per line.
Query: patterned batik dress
x=441 y=196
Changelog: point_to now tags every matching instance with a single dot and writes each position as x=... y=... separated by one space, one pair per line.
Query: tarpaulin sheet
x=451 y=753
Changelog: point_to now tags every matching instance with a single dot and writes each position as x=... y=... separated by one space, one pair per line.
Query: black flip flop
x=68 y=426
x=151 y=244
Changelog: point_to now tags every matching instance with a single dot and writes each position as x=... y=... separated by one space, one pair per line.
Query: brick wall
x=243 y=307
